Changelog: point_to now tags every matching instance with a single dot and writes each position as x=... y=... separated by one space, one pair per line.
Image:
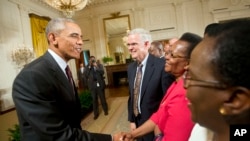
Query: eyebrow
x=132 y=44
x=75 y=34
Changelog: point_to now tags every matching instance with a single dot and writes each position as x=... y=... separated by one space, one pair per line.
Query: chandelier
x=22 y=55
x=68 y=7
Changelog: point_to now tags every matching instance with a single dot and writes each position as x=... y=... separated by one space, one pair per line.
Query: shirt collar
x=144 y=61
x=59 y=60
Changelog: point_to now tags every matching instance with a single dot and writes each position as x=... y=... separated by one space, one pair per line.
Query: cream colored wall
x=164 y=18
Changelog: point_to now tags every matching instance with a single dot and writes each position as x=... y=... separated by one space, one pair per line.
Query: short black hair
x=231 y=53
x=211 y=28
x=192 y=39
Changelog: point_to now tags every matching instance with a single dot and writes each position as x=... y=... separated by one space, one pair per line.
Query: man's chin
x=76 y=56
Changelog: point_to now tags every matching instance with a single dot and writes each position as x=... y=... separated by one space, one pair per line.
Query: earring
x=222 y=111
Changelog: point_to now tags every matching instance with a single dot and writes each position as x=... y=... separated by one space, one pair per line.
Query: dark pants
x=148 y=137
x=98 y=92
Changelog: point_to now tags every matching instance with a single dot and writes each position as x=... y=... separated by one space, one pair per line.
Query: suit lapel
x=59 y=74
x=133 y=75
x=149 y=70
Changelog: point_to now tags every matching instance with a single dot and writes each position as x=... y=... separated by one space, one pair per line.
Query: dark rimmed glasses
x=188 y=81
x=174 y=56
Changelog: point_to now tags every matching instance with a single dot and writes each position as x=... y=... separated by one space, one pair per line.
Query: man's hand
x=122 y=136
x=132 y=126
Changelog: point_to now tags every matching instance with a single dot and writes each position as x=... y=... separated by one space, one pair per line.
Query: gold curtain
x=38 y=25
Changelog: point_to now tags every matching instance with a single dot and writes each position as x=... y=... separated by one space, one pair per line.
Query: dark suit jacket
x=155 y=83
x=47 y=107
x=99 y=76
x=82 y=78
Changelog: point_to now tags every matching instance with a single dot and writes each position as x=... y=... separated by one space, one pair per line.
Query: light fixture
x=68 y=7
x=22 y=55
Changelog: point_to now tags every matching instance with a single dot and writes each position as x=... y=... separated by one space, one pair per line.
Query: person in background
x=172 y=121
x=219 y=69
x=145 y=96
x=45 y=97
x=94 y=74
x=98 y=62
x=169 y=44
x=82 y=81
x=156 y=49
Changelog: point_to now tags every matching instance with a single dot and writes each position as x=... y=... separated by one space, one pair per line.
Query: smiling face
x=137 y=48
x=176 y=59
x=205 y=101
x=67 y=43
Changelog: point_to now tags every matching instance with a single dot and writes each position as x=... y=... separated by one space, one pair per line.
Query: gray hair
x=57 y=25
x=144 y=34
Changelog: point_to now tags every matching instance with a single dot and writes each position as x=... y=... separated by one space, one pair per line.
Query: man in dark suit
x=44 y=93
x=82 y=81
x=154 y=81
x=94 y=74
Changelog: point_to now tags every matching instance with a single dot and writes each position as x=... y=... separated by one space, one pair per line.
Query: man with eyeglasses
x=144 y=96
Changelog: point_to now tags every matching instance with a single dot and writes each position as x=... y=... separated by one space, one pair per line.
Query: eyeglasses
x=174 y=56
x=132 y=44
x=188 y=81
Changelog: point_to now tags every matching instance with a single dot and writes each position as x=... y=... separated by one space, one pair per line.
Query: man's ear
x=52 y=39
x=147 y=44
x=238 y=101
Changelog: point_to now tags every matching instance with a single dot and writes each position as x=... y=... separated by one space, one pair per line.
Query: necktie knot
x=140 y=65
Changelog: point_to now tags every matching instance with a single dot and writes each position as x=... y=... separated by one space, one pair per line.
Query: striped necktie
x=137 y=89
x=69 y=75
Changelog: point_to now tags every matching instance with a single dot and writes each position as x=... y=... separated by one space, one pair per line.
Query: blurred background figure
x=170 y=43
x=156 y=49
x=82 y=80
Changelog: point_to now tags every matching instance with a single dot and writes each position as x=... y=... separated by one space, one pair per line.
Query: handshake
x=123 y=136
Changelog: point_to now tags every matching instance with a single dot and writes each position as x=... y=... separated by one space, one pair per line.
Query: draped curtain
x=38 y=25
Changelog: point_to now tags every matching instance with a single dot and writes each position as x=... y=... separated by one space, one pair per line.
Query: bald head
x=169 y=44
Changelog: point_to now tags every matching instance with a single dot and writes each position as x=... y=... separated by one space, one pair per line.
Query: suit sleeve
x=130 y=104
x=100 y=70
x=35 y=96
